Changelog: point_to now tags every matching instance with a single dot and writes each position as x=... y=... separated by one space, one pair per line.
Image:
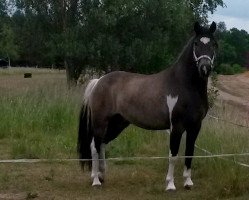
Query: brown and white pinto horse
x=174 y=99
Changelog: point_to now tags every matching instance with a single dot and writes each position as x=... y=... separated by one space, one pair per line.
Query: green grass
x=39 y=119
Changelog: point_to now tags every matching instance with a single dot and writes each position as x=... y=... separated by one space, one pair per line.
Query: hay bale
x=27 y=75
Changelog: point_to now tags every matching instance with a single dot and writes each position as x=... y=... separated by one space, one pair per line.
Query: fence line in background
x=209 y=153
x=229 y=122
x=226 y=121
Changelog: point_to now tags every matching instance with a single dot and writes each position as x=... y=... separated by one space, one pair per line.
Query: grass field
x=39 y=119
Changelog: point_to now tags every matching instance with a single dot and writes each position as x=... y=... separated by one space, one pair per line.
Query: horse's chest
x=192 y=108
x=196 y=110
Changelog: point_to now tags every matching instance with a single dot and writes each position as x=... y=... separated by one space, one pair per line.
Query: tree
x=8 y=47
x=233 y=45
x=136 y=35
x=227 y=53
x=50 y=24
x=240 y=40
x=201 y=8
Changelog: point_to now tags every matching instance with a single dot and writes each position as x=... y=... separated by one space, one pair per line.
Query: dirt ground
x=234 y=90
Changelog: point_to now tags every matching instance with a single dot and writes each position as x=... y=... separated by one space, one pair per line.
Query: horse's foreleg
x=192 y=134
x=170 y=174
x=95 y=165
x=175 y=139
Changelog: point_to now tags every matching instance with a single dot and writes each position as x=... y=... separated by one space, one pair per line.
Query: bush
x=237 y=69
x=228 y=69
x=213 y=93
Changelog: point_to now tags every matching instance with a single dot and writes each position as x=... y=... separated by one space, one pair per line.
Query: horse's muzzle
x=205 y=67
x=205 y=70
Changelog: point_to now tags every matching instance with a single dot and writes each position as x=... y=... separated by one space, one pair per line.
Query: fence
x=209 y=154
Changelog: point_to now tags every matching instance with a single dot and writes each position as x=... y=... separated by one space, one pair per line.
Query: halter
x=197 y=59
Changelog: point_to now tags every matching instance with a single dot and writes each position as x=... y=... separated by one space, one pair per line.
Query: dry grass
x=140 y=180
x=12 y=80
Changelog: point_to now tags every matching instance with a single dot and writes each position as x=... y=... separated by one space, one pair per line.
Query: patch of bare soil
x=234 y=90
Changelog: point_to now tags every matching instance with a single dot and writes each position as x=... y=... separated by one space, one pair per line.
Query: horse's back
x=110 y=87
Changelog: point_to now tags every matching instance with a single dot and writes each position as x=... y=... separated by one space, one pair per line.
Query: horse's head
x=204 y=47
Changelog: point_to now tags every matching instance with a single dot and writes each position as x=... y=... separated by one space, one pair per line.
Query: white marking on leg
x=95 y=165
x=170 y=174
x=205 y=40
x=171 y=102
x=102 y=162
x=187 y=176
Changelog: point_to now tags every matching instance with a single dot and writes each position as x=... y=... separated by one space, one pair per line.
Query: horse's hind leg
x=116 y=124
x=99 y=131
x=103 y=134
x=102 y=162
x=192 y=133
x=95 y=164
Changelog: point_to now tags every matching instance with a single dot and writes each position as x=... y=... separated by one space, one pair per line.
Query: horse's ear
x=197 y=28
x=212 y=28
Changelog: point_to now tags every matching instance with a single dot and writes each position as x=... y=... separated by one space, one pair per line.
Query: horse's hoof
x=101 y=179
x=96 y=185
x=171 y=187
x=96 y=182
x=170 y=190
x=188 y=184
x=187 y=187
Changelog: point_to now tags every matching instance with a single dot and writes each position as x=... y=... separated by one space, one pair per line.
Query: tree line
x=233 y=52
x=133 y=35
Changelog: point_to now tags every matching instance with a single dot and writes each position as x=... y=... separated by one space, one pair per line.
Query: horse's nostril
x=209 y=68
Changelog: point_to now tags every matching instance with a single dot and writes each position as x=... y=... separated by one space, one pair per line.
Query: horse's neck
x=186 y=71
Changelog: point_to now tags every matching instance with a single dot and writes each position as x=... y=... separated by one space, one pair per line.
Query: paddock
x=37 y=123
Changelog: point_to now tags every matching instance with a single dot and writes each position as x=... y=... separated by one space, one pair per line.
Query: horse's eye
x=196 y=44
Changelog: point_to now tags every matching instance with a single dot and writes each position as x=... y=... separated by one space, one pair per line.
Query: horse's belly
x=151 y=123
x=146 y=115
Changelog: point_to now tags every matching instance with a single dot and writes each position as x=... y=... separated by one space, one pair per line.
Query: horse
x=174 y=99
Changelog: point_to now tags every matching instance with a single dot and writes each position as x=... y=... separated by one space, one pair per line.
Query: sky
x=235 y=14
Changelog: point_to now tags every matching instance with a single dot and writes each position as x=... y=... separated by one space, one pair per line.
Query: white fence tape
x=124 y=158
x=226 y=121
x=222 y=157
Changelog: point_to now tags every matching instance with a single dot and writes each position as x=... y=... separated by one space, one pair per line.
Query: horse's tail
x=85 y=137
x=85 y=134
